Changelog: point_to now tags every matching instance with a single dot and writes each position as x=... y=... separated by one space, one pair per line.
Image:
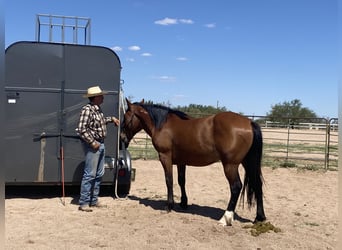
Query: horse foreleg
x=169 y=182
x=181 y=182
x=232 y=173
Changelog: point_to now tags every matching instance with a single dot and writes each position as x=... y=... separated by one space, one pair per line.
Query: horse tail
x=252 y=163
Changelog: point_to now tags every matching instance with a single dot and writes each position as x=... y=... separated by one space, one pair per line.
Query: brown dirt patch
x=302 y=204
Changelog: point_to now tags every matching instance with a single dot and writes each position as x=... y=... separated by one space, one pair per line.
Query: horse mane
x=159 y=113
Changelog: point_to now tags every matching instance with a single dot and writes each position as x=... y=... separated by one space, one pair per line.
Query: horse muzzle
x=124 y=138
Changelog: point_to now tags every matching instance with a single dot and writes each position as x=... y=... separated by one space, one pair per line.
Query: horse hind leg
x=181 y=182
x=253 y=187
x=231 y=172
x=253 y=176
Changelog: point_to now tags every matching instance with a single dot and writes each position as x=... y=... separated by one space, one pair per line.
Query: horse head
x=131 y=123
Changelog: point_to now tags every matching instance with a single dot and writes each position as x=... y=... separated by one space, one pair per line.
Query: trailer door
x=44 y=84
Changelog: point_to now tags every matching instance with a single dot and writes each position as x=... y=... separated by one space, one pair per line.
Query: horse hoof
x=227 y=218
x=183 y=206
x=168 y=207
x=184 y=202
x=259 y=219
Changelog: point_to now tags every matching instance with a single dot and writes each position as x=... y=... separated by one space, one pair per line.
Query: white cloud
x=116 y=48
x=186 y=21
x=129 y=59
x=146 y=54
x=166 y=21
x=210 y=25
x=165 y=78
x=170 y=21
x=181 y=58
x=134 y=48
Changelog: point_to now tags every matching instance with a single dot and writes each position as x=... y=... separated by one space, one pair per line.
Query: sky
x=244 y=55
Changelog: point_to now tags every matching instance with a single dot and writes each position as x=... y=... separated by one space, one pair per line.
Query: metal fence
x=295 y=142
x=300 y=143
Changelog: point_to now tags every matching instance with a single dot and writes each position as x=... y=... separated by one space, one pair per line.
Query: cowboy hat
x=94 y=91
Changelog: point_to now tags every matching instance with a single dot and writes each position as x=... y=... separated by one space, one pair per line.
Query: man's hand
x=115 y=121
x=95 y=145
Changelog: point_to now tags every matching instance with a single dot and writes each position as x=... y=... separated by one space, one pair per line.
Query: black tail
x=252 y=164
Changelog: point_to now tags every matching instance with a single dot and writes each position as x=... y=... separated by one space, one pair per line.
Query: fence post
x=288 y=140
x=146 y=140
x=327 y=144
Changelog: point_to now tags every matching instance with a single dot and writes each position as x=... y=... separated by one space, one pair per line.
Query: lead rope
x=121 y=105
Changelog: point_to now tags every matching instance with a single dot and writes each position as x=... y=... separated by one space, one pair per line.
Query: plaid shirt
x=92 y=124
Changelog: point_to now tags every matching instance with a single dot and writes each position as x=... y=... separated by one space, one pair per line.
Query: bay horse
x=182 y=140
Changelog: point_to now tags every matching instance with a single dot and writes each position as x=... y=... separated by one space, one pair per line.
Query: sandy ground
x=303 y=204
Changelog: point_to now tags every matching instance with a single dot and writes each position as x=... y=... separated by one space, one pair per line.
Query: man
x=92 y=130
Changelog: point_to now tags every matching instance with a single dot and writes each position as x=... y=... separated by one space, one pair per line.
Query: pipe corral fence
x=295 y=142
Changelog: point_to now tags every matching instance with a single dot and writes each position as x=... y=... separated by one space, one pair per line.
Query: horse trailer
x=44 y=87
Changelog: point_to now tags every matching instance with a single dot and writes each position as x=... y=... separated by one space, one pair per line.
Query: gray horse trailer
x=44 y=88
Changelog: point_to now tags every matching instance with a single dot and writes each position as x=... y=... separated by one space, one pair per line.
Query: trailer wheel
x=124 y=169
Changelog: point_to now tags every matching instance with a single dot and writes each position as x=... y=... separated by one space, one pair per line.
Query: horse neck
x=147 y=124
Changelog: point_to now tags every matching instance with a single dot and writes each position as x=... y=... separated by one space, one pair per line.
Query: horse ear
x=128 y=102
x=142 y=101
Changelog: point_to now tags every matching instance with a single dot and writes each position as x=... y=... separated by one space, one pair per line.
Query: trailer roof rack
x=63 y=29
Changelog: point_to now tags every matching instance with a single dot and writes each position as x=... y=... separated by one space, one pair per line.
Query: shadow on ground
x=205 y=211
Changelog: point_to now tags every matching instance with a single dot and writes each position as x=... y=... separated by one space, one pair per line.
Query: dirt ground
x=302 y=204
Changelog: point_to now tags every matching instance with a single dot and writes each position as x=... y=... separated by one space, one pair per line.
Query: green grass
x=295 y=148
x=147 y=153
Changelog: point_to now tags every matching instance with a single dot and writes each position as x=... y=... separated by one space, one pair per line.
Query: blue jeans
x=92 y=175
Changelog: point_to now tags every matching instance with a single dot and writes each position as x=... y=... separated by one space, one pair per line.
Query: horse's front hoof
x=169 y=207
x=166 y=209
x=184 y=202
x=183 y=205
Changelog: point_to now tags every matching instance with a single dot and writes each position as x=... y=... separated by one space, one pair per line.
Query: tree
x=294 y=110
x=197 y=110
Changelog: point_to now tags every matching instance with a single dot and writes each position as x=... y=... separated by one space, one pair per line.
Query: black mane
x=159 y=113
